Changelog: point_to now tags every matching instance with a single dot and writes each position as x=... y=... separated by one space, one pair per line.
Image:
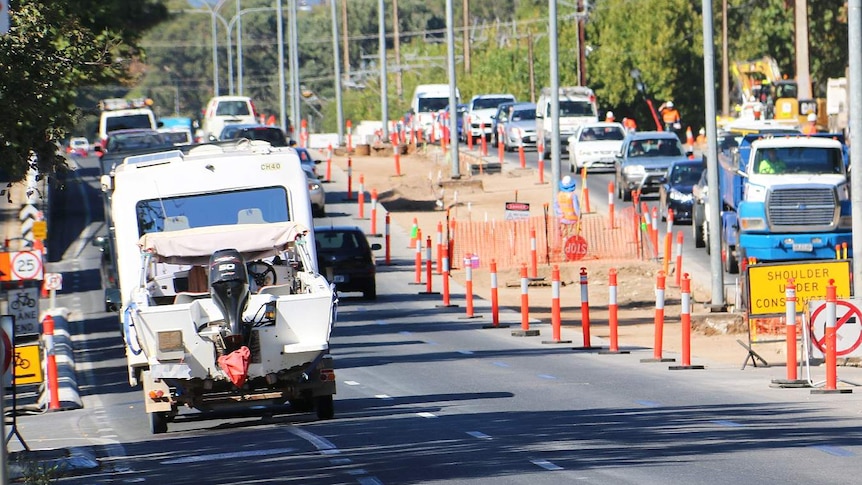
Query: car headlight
x=680 y=196
x=312 y=186
x=752 y=223
x=634 y=170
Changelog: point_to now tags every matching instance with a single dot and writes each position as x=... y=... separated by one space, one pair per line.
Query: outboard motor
x=228 y=282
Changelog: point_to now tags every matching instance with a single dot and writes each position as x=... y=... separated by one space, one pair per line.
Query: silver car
x=518 y=124
x=316 y=194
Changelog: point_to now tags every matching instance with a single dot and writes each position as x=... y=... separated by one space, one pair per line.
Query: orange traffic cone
x=689 y=140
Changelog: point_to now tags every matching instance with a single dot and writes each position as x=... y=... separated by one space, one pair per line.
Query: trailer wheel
x=325 y=407
x=158 y=422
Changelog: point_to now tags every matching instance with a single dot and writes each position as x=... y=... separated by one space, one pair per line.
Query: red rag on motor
x=235 y=365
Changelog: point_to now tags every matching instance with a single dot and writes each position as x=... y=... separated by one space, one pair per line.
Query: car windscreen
x=575 y=108
x=686 y=174
x=432 y=105
x=260 y=205
x=608 y=133
x=136 y=141
x=338 y=241
x=524 y=115
x=177 y=137
x=232 y=108
x=489 y=103
x=126 y=122
x=274 y=136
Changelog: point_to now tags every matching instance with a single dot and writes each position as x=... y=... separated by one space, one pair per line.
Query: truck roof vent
x=150 y=159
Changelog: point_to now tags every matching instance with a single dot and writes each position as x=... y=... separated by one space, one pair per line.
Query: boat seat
x=189 y=296
x=276 y=290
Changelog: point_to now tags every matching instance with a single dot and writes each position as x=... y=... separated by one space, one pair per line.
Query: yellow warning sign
x=28 y=365
x=40 y=230
x=767 y=284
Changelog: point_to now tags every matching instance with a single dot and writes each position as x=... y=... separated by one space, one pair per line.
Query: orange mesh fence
x=508 y=242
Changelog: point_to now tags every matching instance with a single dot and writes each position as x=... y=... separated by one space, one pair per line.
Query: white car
x=594 y=145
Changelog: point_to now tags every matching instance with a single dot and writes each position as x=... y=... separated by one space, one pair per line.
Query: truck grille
x=810 y=209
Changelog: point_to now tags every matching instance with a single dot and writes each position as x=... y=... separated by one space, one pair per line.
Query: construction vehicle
x=221 y=303
x=764 y=93
x=800 y=211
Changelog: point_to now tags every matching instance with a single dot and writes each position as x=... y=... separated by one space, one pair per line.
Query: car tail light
x=327 y=375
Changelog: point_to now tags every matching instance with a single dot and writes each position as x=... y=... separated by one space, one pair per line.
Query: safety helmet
x=812 y=117
x=567 y=184
x=669 y=104
x=610 y=115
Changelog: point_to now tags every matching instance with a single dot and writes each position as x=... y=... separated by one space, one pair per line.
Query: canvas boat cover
x=196 y=245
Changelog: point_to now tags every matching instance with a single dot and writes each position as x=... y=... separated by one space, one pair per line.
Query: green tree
x=52 y=50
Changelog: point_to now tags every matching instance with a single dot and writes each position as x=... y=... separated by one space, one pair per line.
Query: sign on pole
x=24 y=305
x=21 y=266
x=848 y=328
x=767 y=282
x=517 y=210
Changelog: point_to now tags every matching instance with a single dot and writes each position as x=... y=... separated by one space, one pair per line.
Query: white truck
x=125 y=114
x=222 y=305
x=428 y=101
x=577 y=106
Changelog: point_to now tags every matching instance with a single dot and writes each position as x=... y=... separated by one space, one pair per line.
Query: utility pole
x=582 y=43
x=339 y=104
x=397 y=44
x=384 y=104
x=465 y=7
x=725 y=63
x=532 y=67
x=344 y=42
x=803 y=70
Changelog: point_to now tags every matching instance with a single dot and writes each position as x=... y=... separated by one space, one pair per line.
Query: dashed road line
x=351 y=383
x=546 y=465
x=232 y=455
x=833 y=450
x=383 y=396
x=426 y=415
x=648 y=404
x=501 y=364
x=479 y=435
x=546 y=376
x=727 y=422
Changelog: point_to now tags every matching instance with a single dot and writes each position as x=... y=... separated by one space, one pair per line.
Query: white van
x=577 y=106
x=125 y=114
x=428 y=100
x=223 y=110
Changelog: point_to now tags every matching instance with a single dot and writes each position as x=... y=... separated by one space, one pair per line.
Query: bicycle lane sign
x=24 y=304
x=848 y=327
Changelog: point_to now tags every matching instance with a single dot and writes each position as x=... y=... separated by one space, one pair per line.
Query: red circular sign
x=852 y=316
x=8 y=350
x=575 y=248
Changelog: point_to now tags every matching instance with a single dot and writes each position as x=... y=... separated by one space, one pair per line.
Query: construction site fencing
x=508 y=242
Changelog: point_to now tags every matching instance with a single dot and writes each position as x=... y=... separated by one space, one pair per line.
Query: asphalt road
x=426 y=396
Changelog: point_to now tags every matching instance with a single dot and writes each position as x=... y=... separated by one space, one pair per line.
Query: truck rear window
x=126 y=122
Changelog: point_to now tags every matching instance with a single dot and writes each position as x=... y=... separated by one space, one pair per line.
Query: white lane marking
x=351 y=383
x=431 y=342
x=369 y=481
x=382 y=322
x=405 y=332
x=357 y=471
x=383 y=396
x=319 y=442
x=501 y=364
x=466 y=352
x=341 y=461
x=426 y=415
x=546 y=376
x=546 y=465
x=232 y=455
x=479 y=435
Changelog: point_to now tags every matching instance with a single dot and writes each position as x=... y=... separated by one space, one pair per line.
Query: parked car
x=345 y=257
x=517 y=121
x=316 y=194
x=594 y=145
x=699 y=193
x=481 y=111
x=309 y=163
x=78 y=146
x=133 y=139
x=676 y=189
x=643 y=161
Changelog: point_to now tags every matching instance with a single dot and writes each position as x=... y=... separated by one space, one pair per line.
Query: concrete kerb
x=67 y=383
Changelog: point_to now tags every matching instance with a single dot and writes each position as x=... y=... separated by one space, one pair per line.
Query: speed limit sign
x=26 y=265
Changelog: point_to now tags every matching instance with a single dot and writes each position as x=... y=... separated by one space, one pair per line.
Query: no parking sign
x=848 y=327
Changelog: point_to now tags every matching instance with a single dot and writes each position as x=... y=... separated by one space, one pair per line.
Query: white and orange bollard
x=556 y=314
x=360 y=199
x=668 y=238
x=611 y=199
x=613 y=315
x=329 y=164
x=525 y=330
x=349 y=136
x=831 y=340
x=418 y=258
x=439 y=247
x=541 y=164
x=387 y=240
x=349 y=178
x=522 y=158
x=790 y=333
x=447 y=302
x=396 y=151
x=428 y=260
x=585 y=191
x=534 y=257
x=685 y=326
x=51 y=364
x=468 y=289
x=678 y=267
x=659 y=320
x=374 y=232
x=585 y=311
x=484 y=144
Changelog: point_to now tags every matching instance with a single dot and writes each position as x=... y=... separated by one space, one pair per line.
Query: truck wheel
x=325 y=407
x=697 y=231
x=158 y=422
x=731 y=264
x=626 y=195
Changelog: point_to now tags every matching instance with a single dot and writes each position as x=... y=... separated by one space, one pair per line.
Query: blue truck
x=796 y=208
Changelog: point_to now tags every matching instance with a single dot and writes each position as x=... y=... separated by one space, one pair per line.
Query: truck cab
x=577 y=106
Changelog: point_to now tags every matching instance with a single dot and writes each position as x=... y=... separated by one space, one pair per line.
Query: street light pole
x=239 y=48
x=281 y=84
x=335 y=63
x=384 y=107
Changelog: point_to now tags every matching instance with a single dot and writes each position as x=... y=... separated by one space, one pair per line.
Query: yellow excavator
x=760 y=81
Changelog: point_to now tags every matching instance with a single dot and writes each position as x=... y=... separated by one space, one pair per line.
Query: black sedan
x=675 y=191
x=345 y=258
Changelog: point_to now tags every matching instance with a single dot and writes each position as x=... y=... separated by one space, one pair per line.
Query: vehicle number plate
x=339 y=279
x=803 y=247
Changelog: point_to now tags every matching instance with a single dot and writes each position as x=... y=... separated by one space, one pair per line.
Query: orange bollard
x=484 y=141
x=51 y=364
x=556 y=317
x=349 y=178
x=685 y=326
x=397 y=153
x=541 y=171
x=349 y=136
x=678 y=257
x=659 y=319
x=446 y=301
x=522 y=157
x=468 y=287
x=611 y=199
x=500 y=150
x=361 y=198
x=468 y=130
x=374 y=213
x=831 y=339
x=655 y=232
x=668 y=237
x=790 y=327
x=525 y=300
x=418 y=257
x=439 y=247
x=495 y=301
x=534 y=263
x=585 y=190
x=428 y=284
x=386 y=240
x=585 y=310
x=414 y=233
x=329 y=164
x=613 y=315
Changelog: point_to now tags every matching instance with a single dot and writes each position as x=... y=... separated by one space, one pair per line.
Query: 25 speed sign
x=21 y=265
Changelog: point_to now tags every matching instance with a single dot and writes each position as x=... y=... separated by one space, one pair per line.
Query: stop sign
x=575 y=248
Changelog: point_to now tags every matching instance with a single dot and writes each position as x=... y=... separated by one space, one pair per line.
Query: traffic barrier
x=360 y=200
x=500 y=150
x=525 y=330
x=613 y=315
x=349 y=136
x=585 y=311
x=349 y=178
x=495 y=299
x=522 y=156
x=51 y=364
x=659 y=320
x=668 y=238
x=374 y=232
x=329 y=164
x=446 y=297
x=685 y=326
x=387 y=240
x=611 y=199
x=831 y=338
x=439 y=247
x=484 y=144
x=468 y=131
x=534 y=265
x=556 y=317
x=585 y=191
x=655 y=232
x=418 y=257
x=468 y=291
x=397 y=154
x=678 y=268
x=428 y=279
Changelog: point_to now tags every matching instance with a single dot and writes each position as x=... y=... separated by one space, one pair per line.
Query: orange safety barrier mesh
x=508 y=242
